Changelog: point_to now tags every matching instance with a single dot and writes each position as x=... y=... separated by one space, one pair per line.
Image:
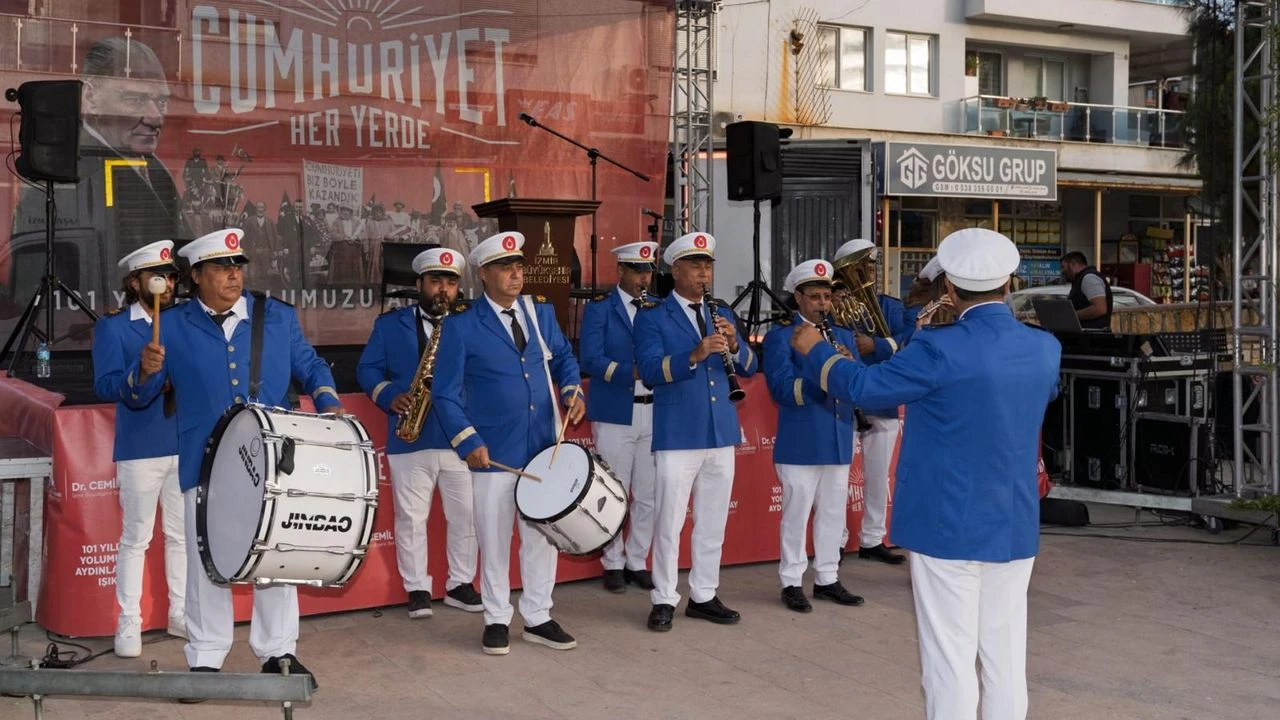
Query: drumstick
x=563 y=426
x=157 y=285
x=510 y=469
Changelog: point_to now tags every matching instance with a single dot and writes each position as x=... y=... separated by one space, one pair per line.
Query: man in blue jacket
x=146 y=448
x=620 y=408
x=205 y=352
x=814 y=446
x=878 y=443
x=494 y=394
x=387 y=367
x=968 y=502
x=681 y=349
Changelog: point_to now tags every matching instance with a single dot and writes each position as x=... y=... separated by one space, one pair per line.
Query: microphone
x=526 y=117
x=650 y=213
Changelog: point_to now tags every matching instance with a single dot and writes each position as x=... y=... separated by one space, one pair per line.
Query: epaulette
x=600 y=298
x=539 y=298
x=783 y=322
x=648 y=304
x=460 y=306
x=117 y=311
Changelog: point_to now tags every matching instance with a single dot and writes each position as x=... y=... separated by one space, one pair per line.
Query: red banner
x=328 y=131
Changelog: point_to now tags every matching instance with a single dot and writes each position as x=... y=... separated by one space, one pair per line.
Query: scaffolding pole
x=691 y=110
x=1254 y=393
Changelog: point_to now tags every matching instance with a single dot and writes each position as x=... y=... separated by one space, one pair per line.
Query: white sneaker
x=128 y=637
x=178 y=626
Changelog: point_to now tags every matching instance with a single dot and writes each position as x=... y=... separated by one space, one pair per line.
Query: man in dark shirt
x=1090 y=293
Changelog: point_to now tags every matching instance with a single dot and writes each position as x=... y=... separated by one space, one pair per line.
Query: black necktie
x=637 y=302
x=517 y=333
x=220 y=317
x=702 y=323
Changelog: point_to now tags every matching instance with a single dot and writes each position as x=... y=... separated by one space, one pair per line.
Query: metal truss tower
x=1256 y=426
x=691 y=110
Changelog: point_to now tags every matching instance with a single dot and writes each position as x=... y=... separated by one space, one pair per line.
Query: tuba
x=861 y=311
x=409 y=426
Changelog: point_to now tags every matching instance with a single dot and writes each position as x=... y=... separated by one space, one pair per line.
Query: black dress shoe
x=465 y=598
x=640 y=578
x=194 y=701
x=419 y=604
x=660 y=617
x=881 y=553
x=712 y=610
x=550 y=634
x=836 y=593
x=495 y=640
x=614 y=581
x=793 y=597
x=272 y=665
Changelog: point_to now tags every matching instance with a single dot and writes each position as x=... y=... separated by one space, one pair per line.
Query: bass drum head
x=233 y=479
x=562 y=486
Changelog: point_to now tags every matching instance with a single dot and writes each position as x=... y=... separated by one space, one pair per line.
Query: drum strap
x=546 y=357
x=255 y=344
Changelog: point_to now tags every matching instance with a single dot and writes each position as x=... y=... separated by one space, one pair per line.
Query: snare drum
x=285 y=497
x=579 y=505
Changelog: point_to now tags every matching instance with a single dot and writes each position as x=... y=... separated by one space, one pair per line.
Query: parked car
x=1020 y=302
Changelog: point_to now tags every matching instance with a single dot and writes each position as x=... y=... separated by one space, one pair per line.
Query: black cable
x=56 y=658
x=1175 y=541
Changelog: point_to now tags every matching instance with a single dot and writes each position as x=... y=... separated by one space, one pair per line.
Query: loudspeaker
x=1099 y=455
x=753 y=161
x=49 y=137
x=1171 y=455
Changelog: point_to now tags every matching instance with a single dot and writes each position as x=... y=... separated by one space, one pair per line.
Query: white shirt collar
x=626 y=297
x=498 y=309
x=989 y=302
x=240 y=309
x=137 y=312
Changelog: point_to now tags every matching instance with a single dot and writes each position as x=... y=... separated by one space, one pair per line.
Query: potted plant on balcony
x=1058 y=106
x=971 y=64
x=1039 y=102
x=1004 y=103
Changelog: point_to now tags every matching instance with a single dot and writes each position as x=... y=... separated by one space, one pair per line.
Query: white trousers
x=708 y=476
x=627 y=450
x=414 y=478
x=967 y=611
x=821 y=490
x=211 y=617
x=142 y=483
x=877 y=456
x=495 y=511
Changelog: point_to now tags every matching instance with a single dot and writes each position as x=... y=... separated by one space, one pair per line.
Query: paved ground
x=1118 y=629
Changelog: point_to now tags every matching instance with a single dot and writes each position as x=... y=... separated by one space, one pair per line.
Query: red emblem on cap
x=646 y=251
x=233 y=241
x=164 y=253
x=820 y=270
x=700 y=242
x=509 y=242
x=446 y=258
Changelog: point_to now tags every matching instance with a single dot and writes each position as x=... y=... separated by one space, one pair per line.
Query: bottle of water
x=42 y=360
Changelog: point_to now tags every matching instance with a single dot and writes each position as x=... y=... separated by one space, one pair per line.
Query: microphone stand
x=593 y=154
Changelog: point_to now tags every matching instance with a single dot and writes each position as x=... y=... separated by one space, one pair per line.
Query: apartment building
x=1059 y=123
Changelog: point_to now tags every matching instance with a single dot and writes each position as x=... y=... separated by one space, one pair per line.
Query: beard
x=148 y=300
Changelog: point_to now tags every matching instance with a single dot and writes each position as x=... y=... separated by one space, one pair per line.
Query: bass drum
x=285 y=497
x=579 y=506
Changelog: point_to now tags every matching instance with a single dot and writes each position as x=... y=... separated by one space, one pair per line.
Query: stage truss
x=1254 y=276
x=691 y=110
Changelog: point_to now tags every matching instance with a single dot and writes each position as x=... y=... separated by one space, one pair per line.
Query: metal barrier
x=20 y=464
x=40 y=684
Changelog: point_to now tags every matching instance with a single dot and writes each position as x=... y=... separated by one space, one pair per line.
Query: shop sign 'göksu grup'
x=970 y=171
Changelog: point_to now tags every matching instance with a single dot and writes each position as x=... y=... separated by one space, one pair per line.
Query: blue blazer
x=814 y=428
x=387 y=366
x=976 y=393
x=142 y=430
x=608 y=349
x=488 y=393
x=210 y=374
x=691 y=409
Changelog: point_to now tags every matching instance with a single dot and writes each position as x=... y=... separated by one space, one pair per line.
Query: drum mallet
x=157 y=285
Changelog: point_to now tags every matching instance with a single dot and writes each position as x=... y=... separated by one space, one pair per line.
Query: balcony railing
x=1072 y=122
x=54 y=45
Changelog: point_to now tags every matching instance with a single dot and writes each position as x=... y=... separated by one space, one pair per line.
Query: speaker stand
x=756 y=289
x=42 y=300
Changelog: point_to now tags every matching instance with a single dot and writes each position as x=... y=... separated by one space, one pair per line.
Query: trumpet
x=824 y=327
x=736 y=393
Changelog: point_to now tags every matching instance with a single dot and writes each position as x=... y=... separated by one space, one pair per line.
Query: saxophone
x=409 y=426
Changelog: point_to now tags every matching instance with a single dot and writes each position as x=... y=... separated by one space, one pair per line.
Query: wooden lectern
x=548 y=228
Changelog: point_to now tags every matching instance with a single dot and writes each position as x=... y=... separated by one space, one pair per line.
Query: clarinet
x=736 y=393
x=824 y=327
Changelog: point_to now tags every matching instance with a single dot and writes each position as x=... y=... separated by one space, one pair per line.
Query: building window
x=844 y=57
x=990 y=74
x=1048 y=77
x=908 y=64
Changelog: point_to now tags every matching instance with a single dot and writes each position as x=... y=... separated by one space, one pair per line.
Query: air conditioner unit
x=722 y=118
